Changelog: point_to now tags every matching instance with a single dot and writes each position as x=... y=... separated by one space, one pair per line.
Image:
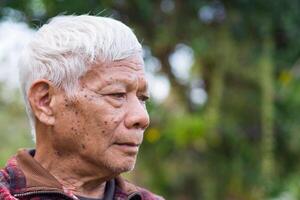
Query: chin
x=122 y=166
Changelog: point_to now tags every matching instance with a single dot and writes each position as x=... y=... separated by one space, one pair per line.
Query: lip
x=128 y=147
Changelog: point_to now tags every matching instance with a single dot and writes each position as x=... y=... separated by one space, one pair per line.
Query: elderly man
x=84 y=87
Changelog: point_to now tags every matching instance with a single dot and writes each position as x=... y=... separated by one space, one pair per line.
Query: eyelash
x=144 y=98
x=120 y=95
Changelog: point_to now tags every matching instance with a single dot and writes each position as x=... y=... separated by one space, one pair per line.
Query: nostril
x=137 y=125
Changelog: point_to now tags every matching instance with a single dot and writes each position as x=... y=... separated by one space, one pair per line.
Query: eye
x=118 y=95
x=143 y=98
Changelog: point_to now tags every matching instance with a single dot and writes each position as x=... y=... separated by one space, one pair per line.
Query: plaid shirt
x=13 y=186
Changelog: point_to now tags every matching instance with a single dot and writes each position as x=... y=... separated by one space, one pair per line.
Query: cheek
x=117 y=119
x=70 y=119
x=104 y=124
x=101 y=114
x=90 y=116
x=102 y=129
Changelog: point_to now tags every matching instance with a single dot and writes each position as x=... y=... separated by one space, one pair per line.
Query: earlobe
x=40 y=96
x=46 y=119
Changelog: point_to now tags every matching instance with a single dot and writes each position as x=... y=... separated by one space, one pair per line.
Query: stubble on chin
x=120 y=167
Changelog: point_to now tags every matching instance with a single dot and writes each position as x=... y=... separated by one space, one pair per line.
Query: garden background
x=225 y=85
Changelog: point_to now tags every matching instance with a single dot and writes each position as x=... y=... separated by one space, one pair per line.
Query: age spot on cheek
x=75 y=131
x=115 y=120
x=70 y=103
x=66 y=103
x=57 y=153
x=90 y=97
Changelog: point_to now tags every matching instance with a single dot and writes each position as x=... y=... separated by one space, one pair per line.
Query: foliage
x=13 y=127
x=243 y=143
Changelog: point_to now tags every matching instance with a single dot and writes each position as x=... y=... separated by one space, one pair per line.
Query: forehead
x=129 y=71
x=135 y=63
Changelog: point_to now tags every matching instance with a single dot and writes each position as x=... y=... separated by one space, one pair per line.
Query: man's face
x=105 y=122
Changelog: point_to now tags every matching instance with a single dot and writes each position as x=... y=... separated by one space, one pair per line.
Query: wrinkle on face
x=135 y=63
x=131 y=68
x=92 y=122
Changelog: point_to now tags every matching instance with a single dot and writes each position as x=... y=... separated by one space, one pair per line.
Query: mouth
x=128 y=147
x=128 y=143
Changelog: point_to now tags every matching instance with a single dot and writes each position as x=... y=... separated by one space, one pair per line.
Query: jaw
x=110 y=163
x=125 y=166
x=121 y=164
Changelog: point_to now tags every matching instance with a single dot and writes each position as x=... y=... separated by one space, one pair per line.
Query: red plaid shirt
x=13 y=187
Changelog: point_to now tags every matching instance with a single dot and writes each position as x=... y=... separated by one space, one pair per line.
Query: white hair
x=64 y=49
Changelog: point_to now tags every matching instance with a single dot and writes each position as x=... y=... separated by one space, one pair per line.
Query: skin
x=95 y=135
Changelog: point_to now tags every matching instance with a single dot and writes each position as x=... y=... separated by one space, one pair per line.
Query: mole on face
x=57 y=153
x=82 y=146
x=70 y=103
x=89 y=97
x=115 y=120
x=66 y=103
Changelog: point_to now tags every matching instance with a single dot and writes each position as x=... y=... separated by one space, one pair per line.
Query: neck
x=71 y=170
x=72 y=174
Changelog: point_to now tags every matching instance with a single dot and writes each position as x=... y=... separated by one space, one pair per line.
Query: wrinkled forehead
x=128 y=70
x=135 y=63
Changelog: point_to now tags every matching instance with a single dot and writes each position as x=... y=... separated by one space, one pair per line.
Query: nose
x=137 y=115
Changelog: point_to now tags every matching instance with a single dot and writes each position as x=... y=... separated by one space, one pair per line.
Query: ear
x=40 y=96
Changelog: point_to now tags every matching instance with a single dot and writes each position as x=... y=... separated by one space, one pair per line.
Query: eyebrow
x=145 y=88
x=132 y=65
x=124 y=82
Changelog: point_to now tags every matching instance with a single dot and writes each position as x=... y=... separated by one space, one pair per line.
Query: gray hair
x=64 y=49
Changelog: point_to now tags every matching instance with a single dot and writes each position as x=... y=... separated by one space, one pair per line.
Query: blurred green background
x=225 y=84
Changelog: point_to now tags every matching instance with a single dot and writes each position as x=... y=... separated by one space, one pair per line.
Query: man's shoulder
x=6 y=180
x=147 y=195
x=7 y=171
x=3 y=177
x=128 y=188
